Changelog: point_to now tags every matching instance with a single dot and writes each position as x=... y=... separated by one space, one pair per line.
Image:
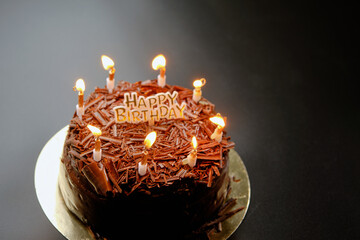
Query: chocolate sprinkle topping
x=122 y=144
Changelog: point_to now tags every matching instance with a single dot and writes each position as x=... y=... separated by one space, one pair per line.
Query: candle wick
x=111 y=73
x=145 y=158
x=162 y=71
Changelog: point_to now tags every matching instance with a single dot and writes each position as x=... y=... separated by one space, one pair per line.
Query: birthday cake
x=157 y=167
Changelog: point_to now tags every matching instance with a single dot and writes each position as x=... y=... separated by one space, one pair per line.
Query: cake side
x=181 y=208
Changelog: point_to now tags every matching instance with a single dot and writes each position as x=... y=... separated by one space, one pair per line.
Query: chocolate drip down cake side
x=149 y=161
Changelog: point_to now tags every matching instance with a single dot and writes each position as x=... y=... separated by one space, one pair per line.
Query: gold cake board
x=48 y=193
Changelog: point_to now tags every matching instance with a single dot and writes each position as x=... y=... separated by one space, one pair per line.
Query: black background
x=283 y=72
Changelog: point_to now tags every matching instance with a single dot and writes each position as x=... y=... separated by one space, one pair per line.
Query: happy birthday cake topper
x=137 y=109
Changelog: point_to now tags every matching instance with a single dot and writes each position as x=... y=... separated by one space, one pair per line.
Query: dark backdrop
x=282 y=72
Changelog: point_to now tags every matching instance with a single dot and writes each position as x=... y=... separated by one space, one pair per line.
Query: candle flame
x=150 y=139
x=199 y=83
x=159 y=62
x=218 y=120
x=96 y=131
x=107 y=62
x=194 y=142
x=80 y=85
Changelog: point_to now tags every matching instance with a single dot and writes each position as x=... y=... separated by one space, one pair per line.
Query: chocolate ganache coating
x=171 y=198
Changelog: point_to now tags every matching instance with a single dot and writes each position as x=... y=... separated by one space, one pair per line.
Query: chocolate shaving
x=94 y=102
x=113 y=140
x=99 y=118
x=110 y=102
x=86 y=138
x=114 y=130
x=105 y=113
x=86 y=153
x=205 y=157
x=75 y=154
x=219 y=219
x=229 y=204
x=78 y=121
x=151 y=174
x=109 y=124
x=210 y=178
x=216 y=170
x=235 y=180
x=97 y=177
x=112 y=173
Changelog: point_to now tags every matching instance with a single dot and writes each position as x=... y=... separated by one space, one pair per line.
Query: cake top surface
x=123 y=143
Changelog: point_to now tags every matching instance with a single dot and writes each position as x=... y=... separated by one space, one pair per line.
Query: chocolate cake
x=171 y=200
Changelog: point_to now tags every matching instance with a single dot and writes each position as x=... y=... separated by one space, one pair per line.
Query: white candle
x=192 y=157
x=80 y=86
x=97 y=155
x=79 y=111
x=108 y=64
x=197 y=91
x=110 y=85
x=159 y=62
x=97 y=149
x=218 y=132
x=148 y=142
x=142 y=165
x=142 y=168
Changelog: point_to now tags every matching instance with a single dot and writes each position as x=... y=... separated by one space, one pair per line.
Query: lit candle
x=108 y=64
x=191 y=158
x=80 y=87
x=97 y=150
x=148 y=142
x=159 y=62
x=197 y=91
x=219 y=121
